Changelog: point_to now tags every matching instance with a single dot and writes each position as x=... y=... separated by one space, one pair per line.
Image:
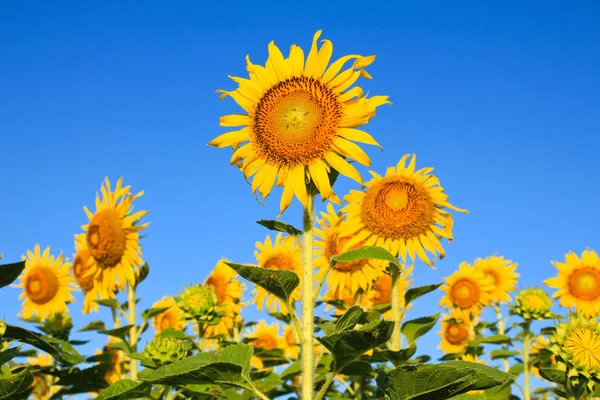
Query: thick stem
x=526 y=375
x=133 y=339
x=330 y=378
x=308 y=250
x=396 y=309
x=501 y=331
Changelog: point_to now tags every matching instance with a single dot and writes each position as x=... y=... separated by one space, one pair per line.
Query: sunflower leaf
x=495 y=354
x=439 y=381
x=110 y=303
x=142 y=274
x=416 y=292
x=62 y=351
x=12 y=385
x=279 y=226
x=125 y=389
x=9 y=354
x=120 y=332
x=94 y=326
x=280 y=283
x=10 y=272
x=153 y=312
x=416 y=328
x=378 y=253
x=553 y=375
x=399 y=357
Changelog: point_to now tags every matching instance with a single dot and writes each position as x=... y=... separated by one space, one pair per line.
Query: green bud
x=58 y=325
x=200 y=303
x=165 y=350
x=533 y=303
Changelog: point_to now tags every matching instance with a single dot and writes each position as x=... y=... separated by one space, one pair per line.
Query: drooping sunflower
x=228 y=289
x=354 y=274
x=290 y=343
x=300 y=121
x=501 y=274
x=264 y=337
x=381 y=292
x=46 y=283
x=403 y=212
x=578 y=282
x=112 y=237
x=467 y=291
x=280 y=254
x=172 y=317
x=455 y=333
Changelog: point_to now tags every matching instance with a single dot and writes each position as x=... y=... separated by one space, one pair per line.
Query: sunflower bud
x=532 y=303
x=165 y=350
x=58 y=325
x=200 y=303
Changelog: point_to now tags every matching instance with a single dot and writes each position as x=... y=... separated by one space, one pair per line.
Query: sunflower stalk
x=501 y=331
x=526 y=366
x=307 y=338
x=323 y=391
x=133 y=337
x=396 y=309
x=295 y=321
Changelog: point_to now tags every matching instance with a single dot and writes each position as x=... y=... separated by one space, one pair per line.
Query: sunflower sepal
x=58 y=325
x=164 y=350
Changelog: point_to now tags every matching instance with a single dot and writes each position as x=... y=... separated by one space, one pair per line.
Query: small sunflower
x=46 y=283
x=290 y=343
x=467 y=290
x=300 y=121
x=112 y=237
x=381 y=292
x=119 y=362
x=172 y=317
x=403 y=212
x=501 y=274
x=578 y=282
x=264 y=337
x=280 y=254
x=532 y=303
x=353 y=274
x=228 y=289
x=455 y=333
x=341 y=300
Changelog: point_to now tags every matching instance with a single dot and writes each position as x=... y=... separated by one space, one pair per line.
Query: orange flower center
x=382 y=290
x=280 y=261
x=41 y=285
x=584 y=283
x=491 y=276
x=464 y=293
x=295 y=121
x=106 y=238
x=169 y=320
x=265 y=341
x=80 y=268
x=456 y=333
x=218 y=285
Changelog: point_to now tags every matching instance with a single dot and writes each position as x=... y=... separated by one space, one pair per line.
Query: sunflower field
x=334 y=288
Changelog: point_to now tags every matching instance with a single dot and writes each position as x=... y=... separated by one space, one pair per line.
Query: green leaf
x=124 y=390
x=285 y=318
x=349 y=320
x=281 y=283
x=494 y=339
x=358 y=368
x=416 y=328
x=214 y=391
x=516 y=369
x=120 y=332
x=361 y=253
x=9 y=354
x=153 y=312
x=94 y=326
x=110 y=303
x=416 y=292
x=12 y=385
x=553 y=375
x=142 y=274
x=496 y=354
x=62 y=351
x=397 y=357
x=293 y=370
x=279 y=226
x=10 y=272
x=439 y=381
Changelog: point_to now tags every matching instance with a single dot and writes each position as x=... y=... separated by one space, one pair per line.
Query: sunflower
x=532 y=303
x=265 y=337
x=281 y=254
x=112 y=237
x=46 y=283
x=578 y=282
x=353 y=274
x=455 y=333
x=501 y=274
x=467 y=290
x=541 y=343
x=172 y=317
x=342 y=300
x=290 y=343
x=228 y=290
x=381 y=292
x=403 y=212
x=119 y=362
x=300 y=121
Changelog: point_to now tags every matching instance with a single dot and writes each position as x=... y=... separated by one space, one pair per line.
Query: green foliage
x=279 y=226
x=367 y=252
x=14 y=384
x=125 y=389
x=10 y=272
x=416 y=292
x=280 y=283
x=416 y=328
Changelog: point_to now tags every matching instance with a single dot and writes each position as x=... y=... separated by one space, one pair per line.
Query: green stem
x=250 y=387
x=501 y=331
x=201 y=341
x=169 y=395
x=330 y=378
x=396 y=309
x=133 y=338
x=308 y=254
x=295 y=321
x=526 y=368
x=322 y=282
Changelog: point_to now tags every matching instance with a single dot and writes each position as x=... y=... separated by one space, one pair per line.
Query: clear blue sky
x=503 y=100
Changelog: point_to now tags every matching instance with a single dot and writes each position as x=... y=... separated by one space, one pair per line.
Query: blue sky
x=503 y=100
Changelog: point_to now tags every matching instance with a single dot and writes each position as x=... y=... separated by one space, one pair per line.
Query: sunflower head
x=467 y=291
x=200 y=303
x=455 y=333
x=172 y=317
x=290 y=343
x=165 y=350
x=228 y=290
x=404 y=212
x=533 y=303
x=501 y=274
x=578 y=282
x=58 y=325
x=265 y=337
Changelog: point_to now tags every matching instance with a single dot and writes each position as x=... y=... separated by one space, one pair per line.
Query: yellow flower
x=46 y=283
x=467 y=290
x=578 y=282
x=541 y=343
x=228 y=290
x=346 y=297
x=501 y=274
x=454 y=334
x=290 y=343
x=119 y=362
x=264 y=337
x=282 y=254
x=381 y=292
x=532 y=303
x=473 y=359
x=354 y=274
x=299 y=121
x=112 y=237
x=403 y=212
x=172 y=317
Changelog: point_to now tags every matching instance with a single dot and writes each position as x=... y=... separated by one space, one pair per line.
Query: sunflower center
x=219 y=286
x=266 y=342
x=106 y=238
x=465 y=293
x=382 y=290
x=280 y=261
x=456 y=334
x=534 y=302
x=80 y=268
x=295 y=121
x=334 y=245
x=584 y=347
x=491 y=277
x=584 y=283
x=290 y=338
x=41 y=285
x=168 y=320
x=397 y=208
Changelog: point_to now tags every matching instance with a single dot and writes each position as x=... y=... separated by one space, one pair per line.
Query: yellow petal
x=296 y=60
x=358 y=136
x=343 y=166
x=230 y=138
x=351 y=150
x=322 y=59
x=313 y=54
x=279 y=64
x=336 y=66
x=318 y=173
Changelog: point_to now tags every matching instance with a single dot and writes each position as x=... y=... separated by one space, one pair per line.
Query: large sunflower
x=403 y=212
x=281 y=254
x=265 y=337
x=172 y=317
x=112 y=237
x=578 y=282
x=46 y=282
x=455 y=333
x=501 y=274
x=354 y=274
x=467 y=291
x=299 y=121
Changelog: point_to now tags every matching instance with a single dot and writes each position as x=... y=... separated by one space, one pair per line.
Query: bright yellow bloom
x=346 y=297
x=228 y=289
x=381 y=292
x=46 y=283
x=290 y=343
x=578 y=282
x=403 y=212
x=455 y=333
x=467 y=290
x=112 y=237
x=172 y=317
x=501 y=274
x=299 y=121
x=281 y=254
x=264 y=337
x=354 y=274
